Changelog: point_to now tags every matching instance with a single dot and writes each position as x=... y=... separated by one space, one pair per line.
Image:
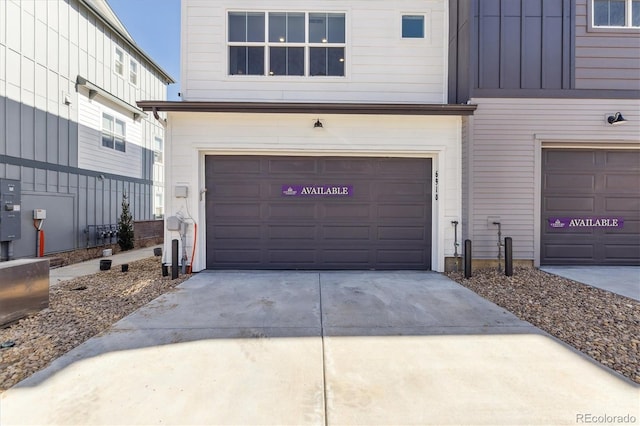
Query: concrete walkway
x=623 y=280
x=92 y=266
x=337 y=348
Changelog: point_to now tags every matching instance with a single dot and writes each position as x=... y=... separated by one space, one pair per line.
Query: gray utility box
x=10 y=208
x=24 y=288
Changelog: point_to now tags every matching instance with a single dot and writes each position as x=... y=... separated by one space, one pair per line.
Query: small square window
x=412 y=26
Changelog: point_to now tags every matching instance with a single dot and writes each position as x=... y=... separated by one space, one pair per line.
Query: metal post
x=467 y=258
x=455 y=245
x=174 y=259
x=508 y=256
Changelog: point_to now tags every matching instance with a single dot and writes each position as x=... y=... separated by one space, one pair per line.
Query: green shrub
x=125 y=226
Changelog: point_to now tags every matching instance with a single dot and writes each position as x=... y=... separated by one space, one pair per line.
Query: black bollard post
x=467 y=258
x=174 y=259
x=508 y=256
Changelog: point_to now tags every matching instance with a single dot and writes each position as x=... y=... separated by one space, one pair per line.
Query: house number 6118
x=436 y=186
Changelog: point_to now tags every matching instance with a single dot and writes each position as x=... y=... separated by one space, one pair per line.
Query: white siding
x=380 y=65
x=503 y=170
x=193 y=135
x=93 y=156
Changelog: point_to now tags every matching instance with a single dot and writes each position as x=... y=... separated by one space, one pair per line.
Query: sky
x=155 y=26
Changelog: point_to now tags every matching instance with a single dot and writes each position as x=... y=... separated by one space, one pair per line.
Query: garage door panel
x=569 y=204
x=236 y=190
x=292 y=165
x=289 y=211
x=347 y=211
x=402 y=190
x=615 y=194
x=279 y=231
x=565 y=160
x=574 y=182
x=406 y=168
x=342 y=166
x=623 y=205
x=622 y=251
x=236 y=257
x=339 y=257
x=291 y=232
x=243 y=210
x=626 y=159
x=570 y=251
x=402 y=211
x=623 y=183
x=399 y=256
x=238 y=232
x=399 y=233
x=350 y=233
x=234 y=166
x=295 y=256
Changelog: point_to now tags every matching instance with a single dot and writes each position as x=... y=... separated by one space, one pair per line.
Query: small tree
x=125 y=226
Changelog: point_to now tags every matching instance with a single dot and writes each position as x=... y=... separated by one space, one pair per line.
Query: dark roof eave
x=308 y=108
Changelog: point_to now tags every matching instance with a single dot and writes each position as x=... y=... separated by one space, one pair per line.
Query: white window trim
x=601 y=28
x=137 y=71
x=113 y=133
x=116 y=62
x=427 y=27
x=307 y=45
x=155 y=150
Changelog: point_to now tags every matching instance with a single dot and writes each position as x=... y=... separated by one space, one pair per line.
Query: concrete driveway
x=623 y=280
x=368 y=348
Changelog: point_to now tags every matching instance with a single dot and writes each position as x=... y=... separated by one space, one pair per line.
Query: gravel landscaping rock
x=601 y=324
x=78 y=310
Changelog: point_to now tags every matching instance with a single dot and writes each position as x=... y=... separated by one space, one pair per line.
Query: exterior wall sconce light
x=317 y=124
x=616 y=119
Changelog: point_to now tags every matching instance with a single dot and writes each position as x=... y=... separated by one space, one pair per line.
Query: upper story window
x=616 y=13
x=113 y=133
x=286 y=43
x=412 y=26
x=118 y=61
x=133 y=72
x=157 y=150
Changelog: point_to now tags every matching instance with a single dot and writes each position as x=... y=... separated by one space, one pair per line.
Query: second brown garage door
x=318 y=213
x=590 y=207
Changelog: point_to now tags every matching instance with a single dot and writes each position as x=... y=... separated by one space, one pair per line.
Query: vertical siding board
x=27 y=132
x=13 y=129
x=40 y=135
x=510 y=45
x=4 y=131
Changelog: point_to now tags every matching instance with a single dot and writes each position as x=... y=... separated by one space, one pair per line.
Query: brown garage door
x=318 y=213
x=590 y=207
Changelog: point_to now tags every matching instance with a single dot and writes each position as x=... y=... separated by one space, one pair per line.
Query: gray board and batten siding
x=384 y=223
x=538 y=48
x=41 y=150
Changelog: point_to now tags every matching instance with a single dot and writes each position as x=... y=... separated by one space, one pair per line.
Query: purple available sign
x=317 y=190
x=586 y=222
